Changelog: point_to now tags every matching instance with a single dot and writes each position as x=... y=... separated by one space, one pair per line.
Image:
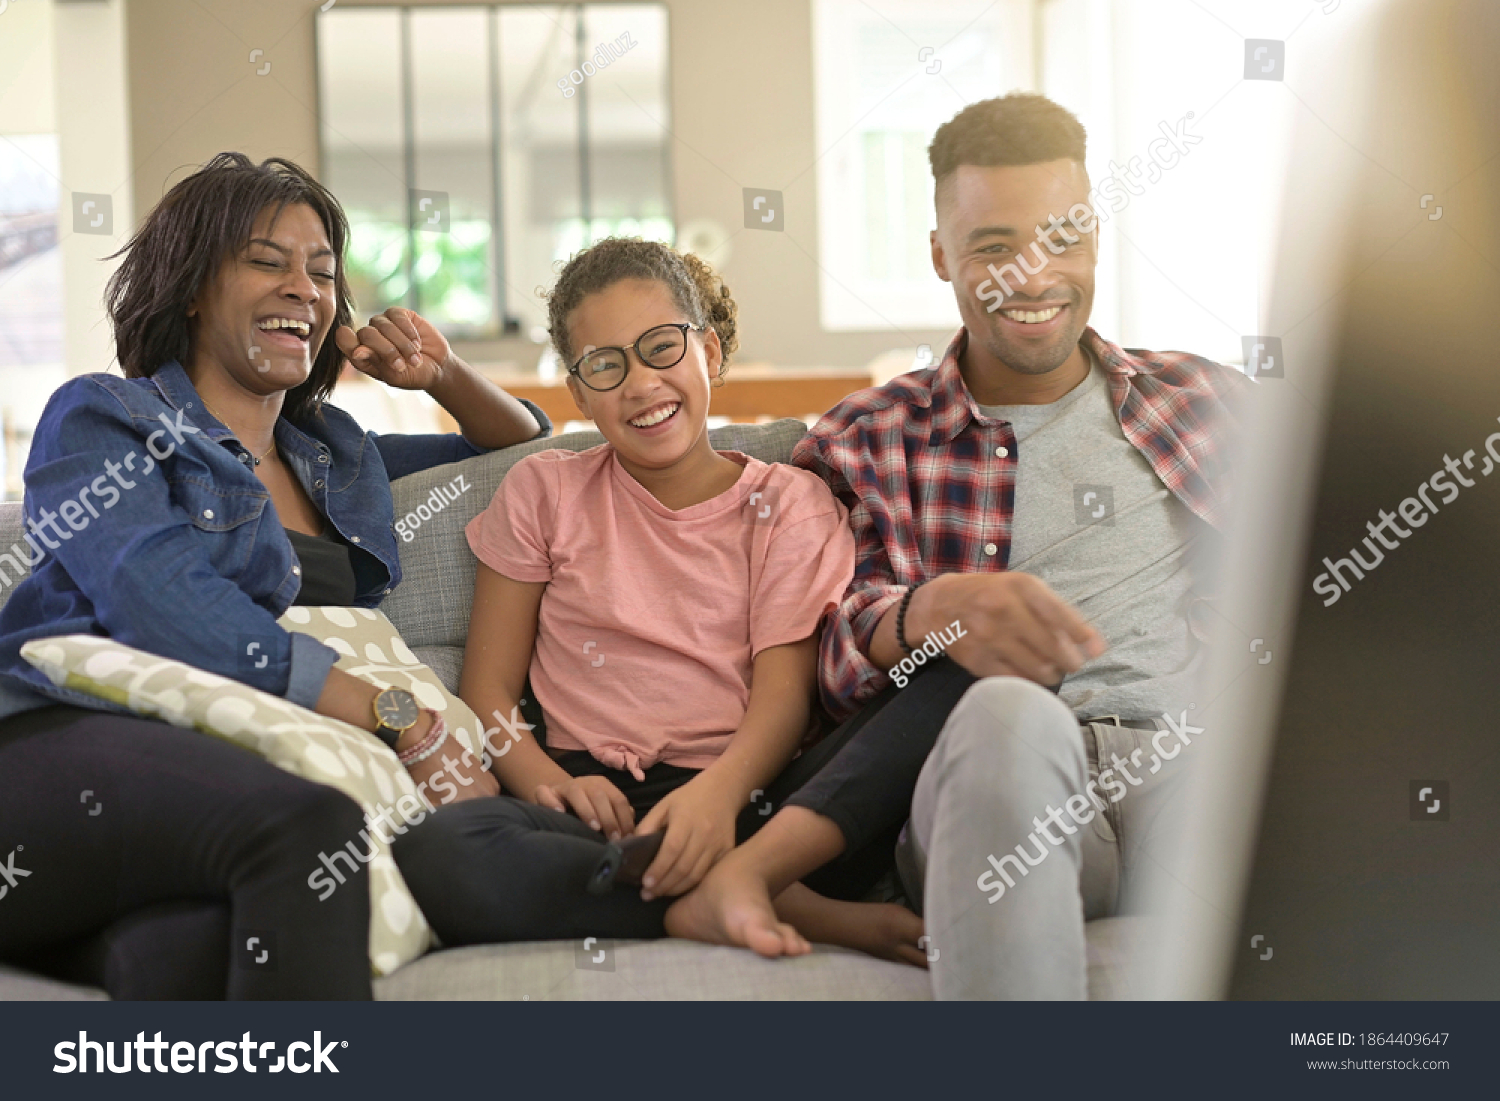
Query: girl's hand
x=699 y=819
x=594 y=799
x=399 y=347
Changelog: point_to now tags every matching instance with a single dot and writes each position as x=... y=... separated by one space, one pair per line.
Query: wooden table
x=749 y=393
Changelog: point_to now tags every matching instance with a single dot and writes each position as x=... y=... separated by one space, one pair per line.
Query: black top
x=327 y=571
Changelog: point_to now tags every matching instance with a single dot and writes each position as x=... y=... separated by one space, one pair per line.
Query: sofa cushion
x=22 y=986
x=562 y=970
x=648 y=971
x=665 y=969
x=370 y=648
x=431 y=605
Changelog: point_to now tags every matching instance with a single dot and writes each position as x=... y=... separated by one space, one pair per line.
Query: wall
x=94 y=156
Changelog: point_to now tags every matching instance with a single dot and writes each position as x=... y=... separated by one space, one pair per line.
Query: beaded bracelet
x=901 y=617
x=428 y=745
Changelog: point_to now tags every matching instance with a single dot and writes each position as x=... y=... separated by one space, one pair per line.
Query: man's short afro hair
x=1015 y=129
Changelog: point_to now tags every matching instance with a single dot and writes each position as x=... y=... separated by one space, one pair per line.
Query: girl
x=665 y=600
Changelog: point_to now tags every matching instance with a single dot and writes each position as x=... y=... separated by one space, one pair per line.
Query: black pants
x=164 y=863
x=495 y=870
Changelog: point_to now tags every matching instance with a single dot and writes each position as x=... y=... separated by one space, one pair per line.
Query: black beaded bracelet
x=901 y=617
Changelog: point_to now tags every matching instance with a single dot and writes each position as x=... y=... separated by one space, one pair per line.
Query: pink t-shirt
x=651 y=618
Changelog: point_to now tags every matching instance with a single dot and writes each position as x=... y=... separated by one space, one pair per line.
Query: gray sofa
x=431 y=609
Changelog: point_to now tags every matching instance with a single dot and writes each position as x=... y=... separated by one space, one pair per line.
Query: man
x=1036 y=497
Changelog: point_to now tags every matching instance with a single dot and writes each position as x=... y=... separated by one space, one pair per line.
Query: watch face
x=397 y=708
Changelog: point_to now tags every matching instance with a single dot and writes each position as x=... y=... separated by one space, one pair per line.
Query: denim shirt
x=153 y=530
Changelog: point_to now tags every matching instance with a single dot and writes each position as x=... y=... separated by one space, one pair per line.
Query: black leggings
x=152 y=856
x=495 y=870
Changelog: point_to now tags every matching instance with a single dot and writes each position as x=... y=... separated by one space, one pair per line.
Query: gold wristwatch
x=396 y=712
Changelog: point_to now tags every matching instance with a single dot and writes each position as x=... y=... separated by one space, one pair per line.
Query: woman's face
x=630 y=416
x=264 y=316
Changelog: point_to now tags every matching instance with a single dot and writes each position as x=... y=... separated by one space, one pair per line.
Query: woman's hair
x=698 y=292
x=200 y=223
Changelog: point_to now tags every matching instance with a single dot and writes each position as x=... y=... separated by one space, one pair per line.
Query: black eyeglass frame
x=684 y=326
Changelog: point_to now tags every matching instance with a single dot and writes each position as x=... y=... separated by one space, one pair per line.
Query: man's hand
x=594 y=799
x=1013 y=624
x=699 y=818
x=400 y=347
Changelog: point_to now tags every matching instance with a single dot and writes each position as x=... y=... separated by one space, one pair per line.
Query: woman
x=181 y=509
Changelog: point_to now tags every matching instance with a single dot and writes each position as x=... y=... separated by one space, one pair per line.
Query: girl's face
x=655 y=417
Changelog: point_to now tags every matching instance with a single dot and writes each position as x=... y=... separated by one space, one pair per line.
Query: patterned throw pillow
x=303 y=742
x=371 y=649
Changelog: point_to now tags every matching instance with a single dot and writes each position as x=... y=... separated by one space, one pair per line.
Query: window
x=31 y=293
x=31 y=330
x=474 y=147
x=1186 y=262
x=886 y=79
x=1183 y=264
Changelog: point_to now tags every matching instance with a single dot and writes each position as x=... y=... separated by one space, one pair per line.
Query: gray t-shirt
x=1093 y=521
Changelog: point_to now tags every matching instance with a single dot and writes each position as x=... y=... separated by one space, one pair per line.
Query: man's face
x=990 y=217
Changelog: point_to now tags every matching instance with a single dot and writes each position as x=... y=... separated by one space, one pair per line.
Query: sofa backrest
x=12 y=558
x=431 y=605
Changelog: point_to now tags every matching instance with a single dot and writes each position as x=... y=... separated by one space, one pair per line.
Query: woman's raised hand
x=400 y=347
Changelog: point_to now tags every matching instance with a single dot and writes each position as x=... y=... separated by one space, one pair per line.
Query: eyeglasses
x=662 y=347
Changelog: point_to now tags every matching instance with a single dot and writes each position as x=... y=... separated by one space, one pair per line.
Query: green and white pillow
x=371 y=648
x=291 y=737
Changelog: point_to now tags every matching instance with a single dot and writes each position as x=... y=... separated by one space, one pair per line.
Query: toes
x=796 y=944
x=765 y=940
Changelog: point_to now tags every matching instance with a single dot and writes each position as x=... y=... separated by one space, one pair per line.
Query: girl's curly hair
x=696 y=289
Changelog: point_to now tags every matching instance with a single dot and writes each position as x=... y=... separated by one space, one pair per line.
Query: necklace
x=253 y=459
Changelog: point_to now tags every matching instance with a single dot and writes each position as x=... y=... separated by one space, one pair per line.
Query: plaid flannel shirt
x=930 y=482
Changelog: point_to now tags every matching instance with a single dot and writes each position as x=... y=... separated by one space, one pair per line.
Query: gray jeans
x=1011 y=847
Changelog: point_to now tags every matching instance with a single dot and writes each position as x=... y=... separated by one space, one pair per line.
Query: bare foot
x=882 y=929
x=734 y=907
